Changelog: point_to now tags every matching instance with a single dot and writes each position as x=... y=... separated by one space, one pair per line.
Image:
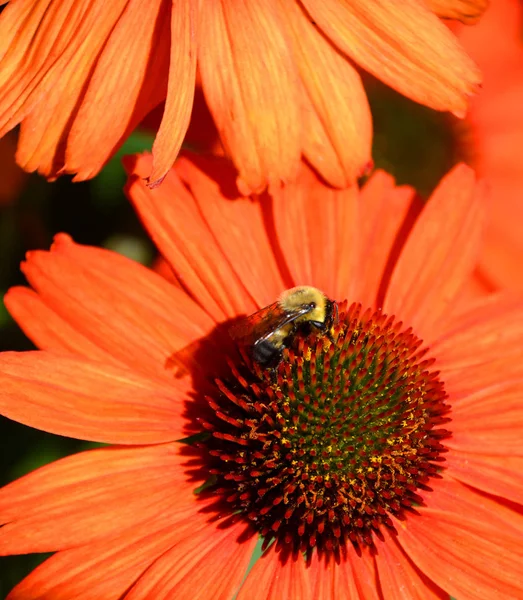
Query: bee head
x=311 y=298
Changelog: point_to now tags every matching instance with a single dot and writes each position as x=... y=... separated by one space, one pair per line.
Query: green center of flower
x=342 y=436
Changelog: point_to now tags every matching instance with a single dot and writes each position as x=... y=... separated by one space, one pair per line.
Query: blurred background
x=415 y=144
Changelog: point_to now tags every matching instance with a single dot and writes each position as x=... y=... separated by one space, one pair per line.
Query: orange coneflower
x=382 y=459
x=491 y=139
x=278 y=77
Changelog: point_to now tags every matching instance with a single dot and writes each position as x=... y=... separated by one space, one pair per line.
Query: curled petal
x=467 y=11
x=180 y=90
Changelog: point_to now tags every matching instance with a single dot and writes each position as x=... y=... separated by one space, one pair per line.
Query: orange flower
x=491 y=139
x=278 y=77
x=391 y=472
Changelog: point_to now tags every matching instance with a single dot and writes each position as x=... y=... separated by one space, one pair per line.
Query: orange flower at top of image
x=372 y=457
x=491 y=139
x=278 y=76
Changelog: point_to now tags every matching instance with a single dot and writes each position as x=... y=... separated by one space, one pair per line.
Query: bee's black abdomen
x=265 y=353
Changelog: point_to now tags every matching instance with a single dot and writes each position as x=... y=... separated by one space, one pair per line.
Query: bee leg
x=326 y=331
x=273 y=374
x=330 y=337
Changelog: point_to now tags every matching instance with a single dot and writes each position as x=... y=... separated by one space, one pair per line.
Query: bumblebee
x=268 y=331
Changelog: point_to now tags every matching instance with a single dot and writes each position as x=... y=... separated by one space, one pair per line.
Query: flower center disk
x=342 y=437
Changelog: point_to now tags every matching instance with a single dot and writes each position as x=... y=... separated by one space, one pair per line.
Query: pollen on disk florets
x=342 y=437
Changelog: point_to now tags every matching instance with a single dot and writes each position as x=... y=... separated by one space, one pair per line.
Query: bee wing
x=264 y=322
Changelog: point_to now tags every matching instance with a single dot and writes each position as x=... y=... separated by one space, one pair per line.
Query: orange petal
x=466 y=11
x=341 y=124
x=92 y=495
x=90 y=400
x=317 y=230
x=237 y=225
x=493 y=328
x=175 y=223
x=502 y=251
x=464 y=544
x=35 y=37
x=318 y=148
x=107 y=568
x=478 y=424
x=180 y=89
x=475 y=504
x=475 y=288
x=354 y=577
x=403 y=43
x=163 y=268
x=84 y=286
x=269 y=579
x=47 y=329
x=251 y=87
x=438 y=256
x=478 y=313
x=401 y=578
x=210 y=563
x=499 y=475
x=44 y=130
x=385 y=212
x=128 y=81
x=501 y=23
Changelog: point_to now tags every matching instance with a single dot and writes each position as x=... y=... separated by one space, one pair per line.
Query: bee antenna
x=336 y=313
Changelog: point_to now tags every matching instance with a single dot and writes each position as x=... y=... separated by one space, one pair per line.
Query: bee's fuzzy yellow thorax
x=301 y=295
